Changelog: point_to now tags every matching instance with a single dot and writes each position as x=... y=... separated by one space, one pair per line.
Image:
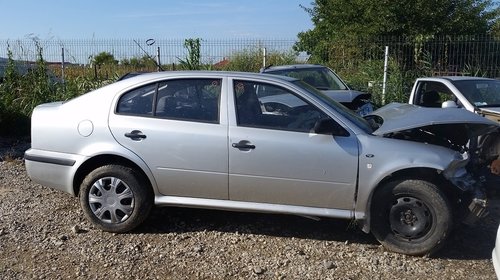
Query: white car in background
x=495 y=255
x=475 y=94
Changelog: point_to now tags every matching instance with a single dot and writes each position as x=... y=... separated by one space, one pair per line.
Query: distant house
x=221 y=64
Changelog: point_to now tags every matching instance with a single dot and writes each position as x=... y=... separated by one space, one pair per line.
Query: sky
x=175 y=19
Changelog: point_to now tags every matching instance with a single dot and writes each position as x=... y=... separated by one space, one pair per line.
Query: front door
x=275 y=158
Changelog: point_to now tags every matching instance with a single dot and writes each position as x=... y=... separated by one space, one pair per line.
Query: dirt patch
x=44 y=235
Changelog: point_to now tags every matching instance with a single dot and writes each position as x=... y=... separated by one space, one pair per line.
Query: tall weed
x=251 y=60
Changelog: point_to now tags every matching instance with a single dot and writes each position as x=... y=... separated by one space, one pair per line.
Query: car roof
x=462 y=78
x=292 y=66
x=137 y=77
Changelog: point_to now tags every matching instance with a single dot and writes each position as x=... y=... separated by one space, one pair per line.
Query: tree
x=495 y=30
x=337 y=19
x=104 y=58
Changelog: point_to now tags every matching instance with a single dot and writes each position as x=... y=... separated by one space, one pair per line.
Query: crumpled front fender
x=473 y=199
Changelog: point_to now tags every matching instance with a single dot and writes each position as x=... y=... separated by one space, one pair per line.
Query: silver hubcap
x=111 y=200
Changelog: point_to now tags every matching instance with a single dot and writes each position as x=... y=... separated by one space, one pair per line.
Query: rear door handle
x=243 y=145
x=135 y=135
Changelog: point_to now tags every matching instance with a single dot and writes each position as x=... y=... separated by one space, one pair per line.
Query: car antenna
x=149 y=42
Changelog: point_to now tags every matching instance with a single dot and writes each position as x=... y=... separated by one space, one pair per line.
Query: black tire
x=411 y=217
x=115 y=198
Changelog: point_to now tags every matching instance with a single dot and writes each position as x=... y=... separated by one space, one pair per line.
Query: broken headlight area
x=471 y=198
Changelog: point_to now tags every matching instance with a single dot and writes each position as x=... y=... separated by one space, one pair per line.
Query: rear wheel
x=115 y=198
x=411 y=217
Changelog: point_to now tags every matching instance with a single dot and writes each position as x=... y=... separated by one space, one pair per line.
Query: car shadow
x=182 y=220
x=465 y=242
x=474 y=242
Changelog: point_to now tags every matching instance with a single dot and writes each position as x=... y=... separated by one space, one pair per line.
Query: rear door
x=178 y=127
x=275 y=158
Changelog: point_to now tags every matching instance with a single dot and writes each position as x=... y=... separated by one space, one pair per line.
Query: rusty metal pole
x=158 y=59
x=62 y=64
x=264 y=55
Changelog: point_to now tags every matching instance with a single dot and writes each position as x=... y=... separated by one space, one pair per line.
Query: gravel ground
x=44 y=235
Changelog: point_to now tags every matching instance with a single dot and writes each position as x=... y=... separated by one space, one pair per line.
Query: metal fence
x=170 y=50
x=447 y=55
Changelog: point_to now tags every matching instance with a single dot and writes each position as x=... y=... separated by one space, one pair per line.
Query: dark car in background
x=23 y=68
x=324 y=79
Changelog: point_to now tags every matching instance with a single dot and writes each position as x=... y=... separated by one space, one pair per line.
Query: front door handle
x=243 y=145
x=135 y=135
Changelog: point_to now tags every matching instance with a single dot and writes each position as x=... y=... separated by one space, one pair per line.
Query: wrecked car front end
x=469 y=135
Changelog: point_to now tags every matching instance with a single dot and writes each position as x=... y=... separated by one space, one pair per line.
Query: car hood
x=452 y=128
x=492 y=113
x=345 y=96
x=399 y=117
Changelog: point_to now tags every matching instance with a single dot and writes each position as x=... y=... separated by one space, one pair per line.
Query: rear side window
x=138 y=101
x=183 y=99
x=189 y=99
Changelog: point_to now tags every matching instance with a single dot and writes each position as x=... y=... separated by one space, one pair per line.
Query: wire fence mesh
x=446 y=55
x=81 y=51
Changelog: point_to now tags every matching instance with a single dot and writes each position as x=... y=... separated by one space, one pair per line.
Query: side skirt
x=243 y=206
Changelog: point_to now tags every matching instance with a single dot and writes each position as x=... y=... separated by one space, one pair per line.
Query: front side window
x=268 y=106
x=183 y=99
x=433 y=94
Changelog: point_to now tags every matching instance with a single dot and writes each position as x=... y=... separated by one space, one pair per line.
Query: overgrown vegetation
x=251 y=60
x=22 y=91
x=19 y=94
x=358 y=61
x=193 y=58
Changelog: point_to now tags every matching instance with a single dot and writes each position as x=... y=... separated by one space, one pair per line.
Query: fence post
x=158 y=59
x=264 y=55
x=62 y=64
x=384 y=83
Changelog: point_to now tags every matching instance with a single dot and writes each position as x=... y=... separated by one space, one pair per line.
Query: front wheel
x=115 y=198
x=411 y=217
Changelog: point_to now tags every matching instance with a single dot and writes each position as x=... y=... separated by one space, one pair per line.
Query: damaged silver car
x=213 y=140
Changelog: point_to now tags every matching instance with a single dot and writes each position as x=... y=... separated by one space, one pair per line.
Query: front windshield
x=341 y=109
x=321 y=78
x=481 y=93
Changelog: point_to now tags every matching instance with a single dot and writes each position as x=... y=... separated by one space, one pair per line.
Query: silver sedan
x=218 y=140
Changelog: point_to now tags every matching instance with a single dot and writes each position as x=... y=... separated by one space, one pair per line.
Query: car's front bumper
x=52 y=169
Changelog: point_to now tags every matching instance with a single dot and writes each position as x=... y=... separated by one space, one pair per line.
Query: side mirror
x=449 y=104
x=329 y=126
